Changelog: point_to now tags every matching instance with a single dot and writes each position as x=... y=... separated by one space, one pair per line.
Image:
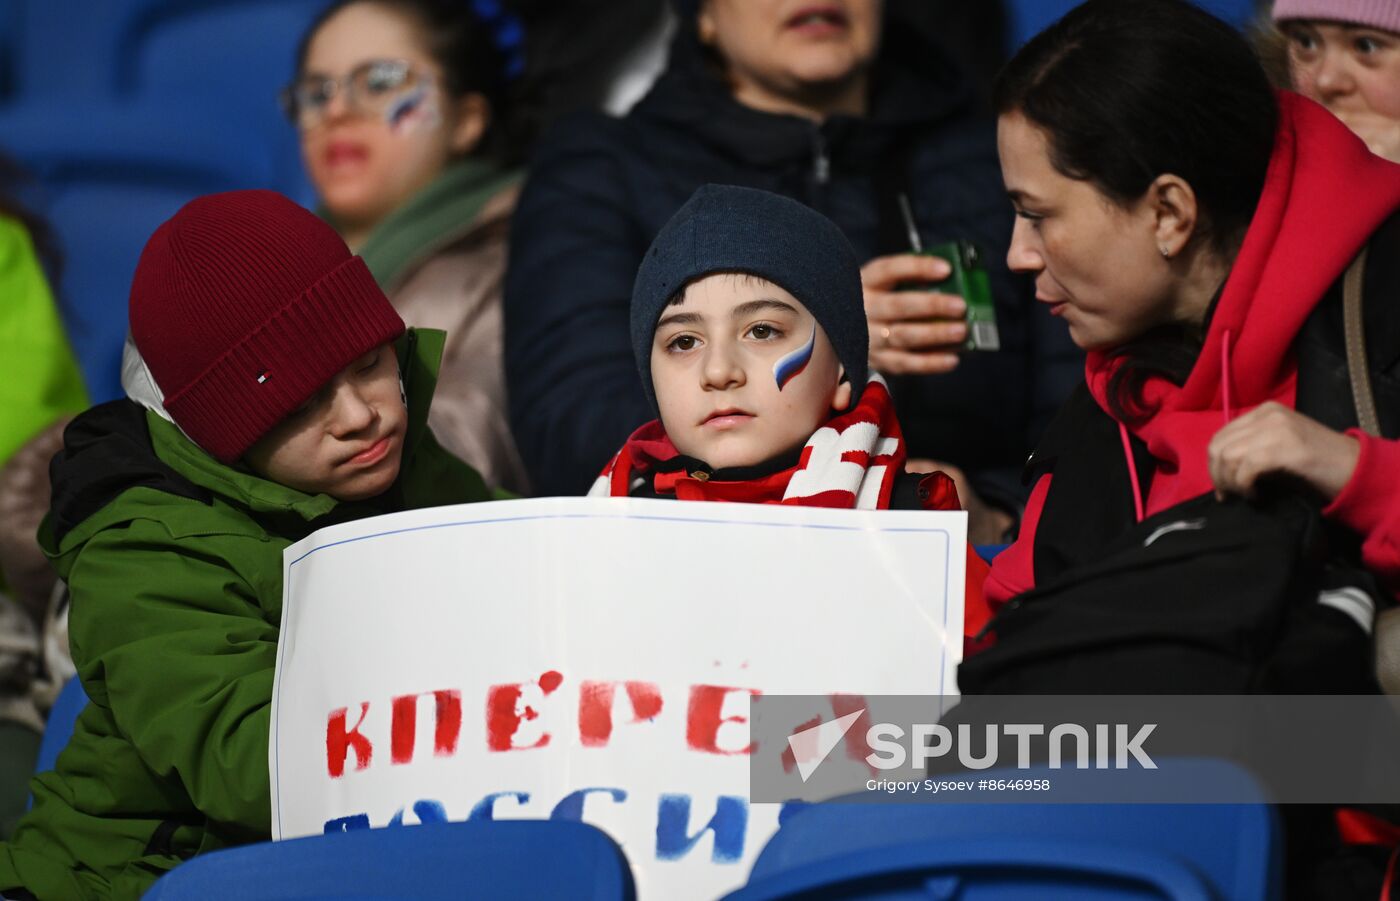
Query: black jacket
x=600 y=189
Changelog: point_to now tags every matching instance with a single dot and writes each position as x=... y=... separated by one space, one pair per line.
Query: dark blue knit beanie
x=723 y=228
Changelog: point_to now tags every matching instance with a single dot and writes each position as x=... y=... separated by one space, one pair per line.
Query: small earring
x=1166 y=254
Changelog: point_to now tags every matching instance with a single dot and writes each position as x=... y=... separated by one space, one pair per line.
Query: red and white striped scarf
x=851 y=462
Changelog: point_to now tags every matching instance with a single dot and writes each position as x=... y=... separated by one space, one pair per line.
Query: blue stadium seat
x=1030 y=17
x=195 y=59
x=109 y=175
x=59 y=728
x=1046 y=852
x=230 y=55
x=501 y=860
x=9 y=38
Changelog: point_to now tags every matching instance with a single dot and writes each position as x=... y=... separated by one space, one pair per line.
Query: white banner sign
x=592 y=658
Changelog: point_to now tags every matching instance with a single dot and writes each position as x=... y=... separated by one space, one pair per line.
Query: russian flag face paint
x=791 y=365
x=413 y=111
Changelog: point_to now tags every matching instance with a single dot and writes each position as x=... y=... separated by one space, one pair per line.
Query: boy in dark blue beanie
x=748 y=326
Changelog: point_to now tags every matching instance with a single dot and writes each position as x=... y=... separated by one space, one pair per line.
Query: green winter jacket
x=174 y=562
x=39 y=380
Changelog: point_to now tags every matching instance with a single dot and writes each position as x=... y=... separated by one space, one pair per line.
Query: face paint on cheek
x=415 y=111
x=790 y=366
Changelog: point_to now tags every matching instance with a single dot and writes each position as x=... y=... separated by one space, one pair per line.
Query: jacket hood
x=140 y=386
x=106 y=451
x=1324 y=195
x=132 y=443
x=912 y=82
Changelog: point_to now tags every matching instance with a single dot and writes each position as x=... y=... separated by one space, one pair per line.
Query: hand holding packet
x=970 y=282
x=968 y=279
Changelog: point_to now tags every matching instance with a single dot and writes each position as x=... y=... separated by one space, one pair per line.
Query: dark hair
x=465 y=48
x=1127 y=90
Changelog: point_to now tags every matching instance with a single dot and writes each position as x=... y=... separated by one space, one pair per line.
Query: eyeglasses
x=369 y=89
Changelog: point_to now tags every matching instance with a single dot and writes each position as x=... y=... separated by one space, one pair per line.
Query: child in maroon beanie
x=272 y=390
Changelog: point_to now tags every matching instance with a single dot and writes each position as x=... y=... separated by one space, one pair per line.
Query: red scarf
x=1324 y=194
x=851 y=462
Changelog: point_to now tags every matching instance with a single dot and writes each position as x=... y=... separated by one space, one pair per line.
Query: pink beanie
x=1382 y=14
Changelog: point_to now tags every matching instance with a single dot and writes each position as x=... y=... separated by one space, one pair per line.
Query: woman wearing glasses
x=400 y=107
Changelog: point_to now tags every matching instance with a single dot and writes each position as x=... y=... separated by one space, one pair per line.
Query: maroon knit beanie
x=243 y=305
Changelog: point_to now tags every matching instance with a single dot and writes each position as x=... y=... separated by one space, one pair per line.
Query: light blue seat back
x=1047 y=852
x=497 y=860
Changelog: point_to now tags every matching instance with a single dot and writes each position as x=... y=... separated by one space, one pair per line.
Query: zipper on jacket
x=821 y=159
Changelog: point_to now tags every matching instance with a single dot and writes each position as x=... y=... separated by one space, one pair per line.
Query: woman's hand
x=985 y=524
x=1274 y=439
x=912 y=332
